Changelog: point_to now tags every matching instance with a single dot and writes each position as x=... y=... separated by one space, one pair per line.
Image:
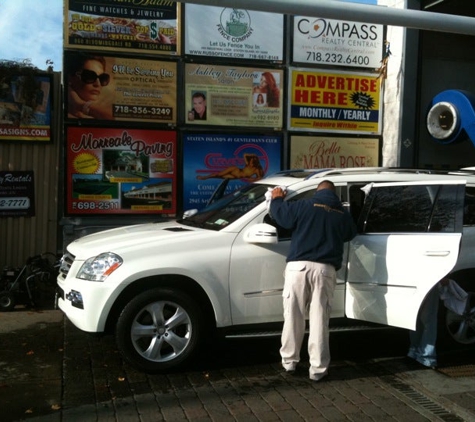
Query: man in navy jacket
x=320 y=227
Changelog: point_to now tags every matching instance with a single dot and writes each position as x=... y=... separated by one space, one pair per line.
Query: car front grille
x=66 y=262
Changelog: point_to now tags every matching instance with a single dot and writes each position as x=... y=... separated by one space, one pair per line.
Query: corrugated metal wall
x=21 y=237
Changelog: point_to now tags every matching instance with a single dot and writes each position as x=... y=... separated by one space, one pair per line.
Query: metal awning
x=416 y=19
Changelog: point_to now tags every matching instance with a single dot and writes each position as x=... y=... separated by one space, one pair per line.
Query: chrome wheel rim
x=161 y=331
x=462 y=327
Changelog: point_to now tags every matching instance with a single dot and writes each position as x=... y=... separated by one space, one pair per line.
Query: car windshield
x=228 y=209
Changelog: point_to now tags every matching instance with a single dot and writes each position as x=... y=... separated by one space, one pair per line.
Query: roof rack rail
x=360 y=170
x=321 y=172
x=298 y=173
x=463 y=170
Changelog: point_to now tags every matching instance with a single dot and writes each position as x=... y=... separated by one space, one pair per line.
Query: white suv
x=165 y=288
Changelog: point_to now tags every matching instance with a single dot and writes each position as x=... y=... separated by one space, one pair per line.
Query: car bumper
x=85 y=303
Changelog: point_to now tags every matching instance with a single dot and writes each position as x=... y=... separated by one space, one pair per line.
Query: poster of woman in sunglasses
x=119 y=88
x=87 y=79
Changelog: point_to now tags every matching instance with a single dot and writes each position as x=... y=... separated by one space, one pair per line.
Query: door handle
x=437 y=253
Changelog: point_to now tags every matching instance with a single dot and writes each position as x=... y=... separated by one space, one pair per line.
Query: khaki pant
x=308 y=290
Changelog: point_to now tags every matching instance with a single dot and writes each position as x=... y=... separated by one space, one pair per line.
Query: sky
x=33 y=30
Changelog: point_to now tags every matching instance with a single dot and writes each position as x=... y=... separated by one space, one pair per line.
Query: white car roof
x=365 y=174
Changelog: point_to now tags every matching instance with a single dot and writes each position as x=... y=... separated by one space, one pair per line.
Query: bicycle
x=29 y=284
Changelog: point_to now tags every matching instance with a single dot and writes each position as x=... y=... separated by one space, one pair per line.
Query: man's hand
x=278 y=193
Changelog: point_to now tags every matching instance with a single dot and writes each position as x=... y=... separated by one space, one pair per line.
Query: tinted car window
x=445 y=209
x=411 y=208
x=356 y=201
x=469 y=207
x=398 y=209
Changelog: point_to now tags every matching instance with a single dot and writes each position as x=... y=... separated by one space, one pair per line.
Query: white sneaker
x=289 y=367
x=318 y=377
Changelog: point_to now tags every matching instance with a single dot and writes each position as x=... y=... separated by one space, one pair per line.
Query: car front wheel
x=159 y=330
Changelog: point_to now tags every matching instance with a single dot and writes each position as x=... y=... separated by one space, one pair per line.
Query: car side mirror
x=261 y=233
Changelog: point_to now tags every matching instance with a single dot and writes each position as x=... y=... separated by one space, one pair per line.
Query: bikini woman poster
x=211 y=158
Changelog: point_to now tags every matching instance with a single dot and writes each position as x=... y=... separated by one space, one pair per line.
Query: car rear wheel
x=159 y=330
x=461 y=328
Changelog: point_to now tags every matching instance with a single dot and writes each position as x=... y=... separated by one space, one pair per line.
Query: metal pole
x=416 y=19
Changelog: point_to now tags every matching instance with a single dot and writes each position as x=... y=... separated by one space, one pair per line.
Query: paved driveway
x=53 y=372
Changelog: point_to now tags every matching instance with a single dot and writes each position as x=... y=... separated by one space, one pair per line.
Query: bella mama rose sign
x=330 y=152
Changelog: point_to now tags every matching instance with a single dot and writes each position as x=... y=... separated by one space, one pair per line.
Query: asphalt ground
x=50 y=371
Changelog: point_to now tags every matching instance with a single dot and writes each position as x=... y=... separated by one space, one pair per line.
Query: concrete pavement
x=53 y=372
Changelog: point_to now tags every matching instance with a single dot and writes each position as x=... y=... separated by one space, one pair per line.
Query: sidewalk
x=53 y=372
x=31 y=359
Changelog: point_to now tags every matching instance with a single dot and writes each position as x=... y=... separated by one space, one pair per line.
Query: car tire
x=160 y=330
x=7 y=301
x=460 y=329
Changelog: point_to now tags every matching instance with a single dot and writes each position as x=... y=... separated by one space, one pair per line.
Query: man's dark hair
x=326 y=184
x=199 y=95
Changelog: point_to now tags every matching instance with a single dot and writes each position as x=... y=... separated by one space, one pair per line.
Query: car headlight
x=99 y=267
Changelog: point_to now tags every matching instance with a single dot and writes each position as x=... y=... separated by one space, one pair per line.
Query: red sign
x=121 y=171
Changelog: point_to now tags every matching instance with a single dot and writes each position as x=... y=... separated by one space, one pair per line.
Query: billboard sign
x=316 y=152
x=120 y=171
x=233 y=96
x=17 y=194
x=209 y=159
x=233 y=33
x=337 y=43
x=25 y=108
x=118 y=88
x=339 y=102
x=117 y=25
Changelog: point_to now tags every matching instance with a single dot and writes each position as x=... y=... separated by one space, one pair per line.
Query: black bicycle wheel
x=7 y=301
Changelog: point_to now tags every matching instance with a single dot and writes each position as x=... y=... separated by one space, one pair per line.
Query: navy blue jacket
x=320 y=227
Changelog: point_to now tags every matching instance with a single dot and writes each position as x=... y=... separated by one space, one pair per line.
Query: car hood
x=143 y=237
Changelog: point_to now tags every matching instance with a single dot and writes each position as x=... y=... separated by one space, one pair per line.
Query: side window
x=357 y=198
x=399 y=209
x=444 y=217
x=411 y=209
x=469 y=207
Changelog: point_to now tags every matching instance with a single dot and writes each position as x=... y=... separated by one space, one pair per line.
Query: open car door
x=408 y=239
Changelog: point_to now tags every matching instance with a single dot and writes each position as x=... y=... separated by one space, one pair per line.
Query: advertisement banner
x=120 y=171
x=233 y=33
x=25 y=107
x=318 y=152
x=118 y=25
x=233 y=96
x=337 y=43
x=117 y=88
x=343 y=102
x=17 y=194
x=209 y=159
